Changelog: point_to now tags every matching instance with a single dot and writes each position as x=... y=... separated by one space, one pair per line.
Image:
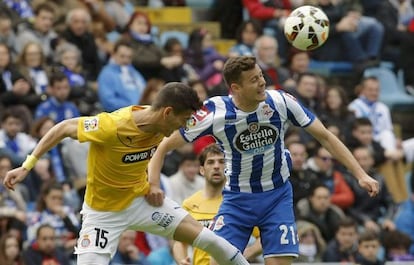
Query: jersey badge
x=218 y=223
x=91 y=124
x=267 y=111
x=85 y=241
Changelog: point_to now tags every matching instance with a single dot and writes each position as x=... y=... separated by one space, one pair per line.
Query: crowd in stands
x=62 y=59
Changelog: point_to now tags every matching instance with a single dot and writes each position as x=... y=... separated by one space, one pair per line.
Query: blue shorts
x=271 y=211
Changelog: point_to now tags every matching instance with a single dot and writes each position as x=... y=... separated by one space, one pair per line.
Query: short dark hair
x=209 y=149
x=358 y=122
x=44 y=7
x=346 y=222
x=43 y=226
x=179 y=96
x=56 y=75
x=122 y=42
x=188 y=156
x=235 y=66
x=368 y=235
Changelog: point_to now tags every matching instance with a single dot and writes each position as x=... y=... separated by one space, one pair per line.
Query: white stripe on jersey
x=253 y=142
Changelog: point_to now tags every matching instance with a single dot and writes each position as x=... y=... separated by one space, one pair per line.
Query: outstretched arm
x=343 y=155
x=155 y=195
x=67 y=128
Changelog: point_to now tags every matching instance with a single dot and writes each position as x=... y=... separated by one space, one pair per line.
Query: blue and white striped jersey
x=256 y=159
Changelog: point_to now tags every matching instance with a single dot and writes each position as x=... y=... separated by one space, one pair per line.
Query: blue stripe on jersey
x=231 y=132
x=277 y=178
x=257 y=163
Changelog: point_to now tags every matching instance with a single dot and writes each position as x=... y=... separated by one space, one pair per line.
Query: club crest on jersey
x=267 y=111
x=191 y=122
x=218 y=223
x=256 y=138
x=162 y=219
x=91 y=124
x=85 y=242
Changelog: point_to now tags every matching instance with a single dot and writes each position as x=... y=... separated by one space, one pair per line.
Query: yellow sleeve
x=97 y=129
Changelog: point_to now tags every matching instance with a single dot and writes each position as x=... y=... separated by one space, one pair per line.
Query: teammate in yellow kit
x=204 y=204
x=118 y=194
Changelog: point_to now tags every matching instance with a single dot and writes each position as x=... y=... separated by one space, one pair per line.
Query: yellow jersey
x=118 y=157
x=204 y=210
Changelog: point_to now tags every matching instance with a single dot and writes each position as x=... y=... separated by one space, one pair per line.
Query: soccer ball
x=307 y=28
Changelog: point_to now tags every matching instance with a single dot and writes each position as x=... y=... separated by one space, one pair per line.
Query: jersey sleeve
x=200 y=123
x=296 y=112
x=97 y=129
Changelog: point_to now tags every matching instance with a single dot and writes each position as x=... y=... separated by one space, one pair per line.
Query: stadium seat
x=199 y=3
x=180 y=35
x=392 y=93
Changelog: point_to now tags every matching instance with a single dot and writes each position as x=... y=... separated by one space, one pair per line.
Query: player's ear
x=167 y=111
x=234 y=87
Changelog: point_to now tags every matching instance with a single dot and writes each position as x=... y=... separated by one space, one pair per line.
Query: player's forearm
x=342 y=154
x=55 y=135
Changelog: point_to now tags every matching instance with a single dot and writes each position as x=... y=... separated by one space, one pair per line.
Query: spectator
x=151 y=90
x=335 y=111
x=41 y=31
x=57 y=105
x=271 y=13
x=319 y=210
x=204 y=58
x=302 y=179
x=51 y=210
x=32 y=65
x=45 y=250
x=120 y=85
x=147 y=57
x=175 y=69
x=12 y=203
x=311 y=243
x=368 y=249
x=78 y=22
x=353 y=37
x=343 y=247
x=10 y=250
x=405 y=215
x=127 y=252
x=7 y=34
x=187 y=180
x=16 y=141
x=14 y=88
x=246 y=35
x=297 y=63
x=323 y=165
x=397 y=246
x=265 y=49
x=368 y=105
x=201 y=89
x=374 y=213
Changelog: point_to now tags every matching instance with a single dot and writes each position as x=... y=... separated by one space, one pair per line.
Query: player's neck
x=147 y=120
x=245 y=105
x=212 y=192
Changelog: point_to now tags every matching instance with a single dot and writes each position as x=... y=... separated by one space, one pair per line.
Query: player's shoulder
x=193 y=199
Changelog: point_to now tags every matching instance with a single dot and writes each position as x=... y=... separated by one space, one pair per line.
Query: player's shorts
x=271 y=211
x=101 y=230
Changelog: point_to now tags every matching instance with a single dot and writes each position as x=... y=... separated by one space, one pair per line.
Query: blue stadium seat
x=392 y=92
x=180 y=35
x=199 y=3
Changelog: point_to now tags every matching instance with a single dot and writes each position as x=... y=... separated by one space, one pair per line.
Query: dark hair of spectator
x=44 y=7
x=41 y=227
x=344 y=98
x=170 y=43
x=188 y=156
x=195 y=46
x=256 y=28
x=122 y=42
x=358 y=122
x=302 y=75
x=56 y=75
x=368 y=235
x=346 y=223
x=47 y=187
x=3 y=241
x=134 y=16
x=37 y=125
x=10 y=113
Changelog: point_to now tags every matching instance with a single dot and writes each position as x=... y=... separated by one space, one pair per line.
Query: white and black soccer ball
x=307 y=28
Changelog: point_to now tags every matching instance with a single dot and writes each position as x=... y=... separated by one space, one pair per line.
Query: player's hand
x=15 y=176
x=185 y=261
x=369 y=184
x=155 y=196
